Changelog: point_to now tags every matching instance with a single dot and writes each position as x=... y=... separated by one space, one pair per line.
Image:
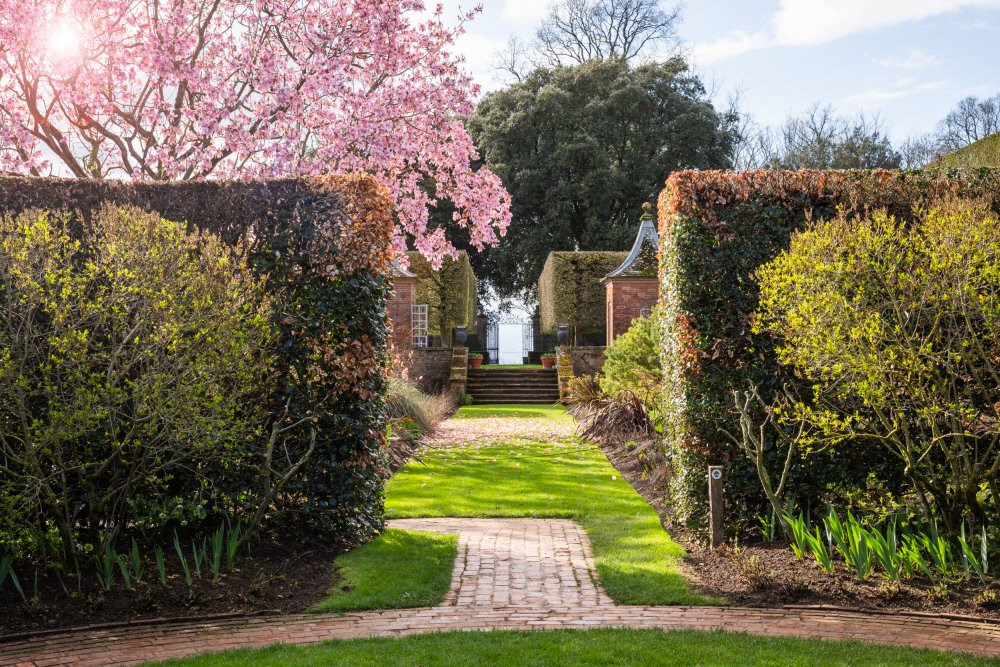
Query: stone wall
x=429 y=368
x=587 y=360
x=626 y=300
x=572 y=361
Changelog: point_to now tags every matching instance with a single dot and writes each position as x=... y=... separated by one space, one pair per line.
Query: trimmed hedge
x=983 y=153
x=451 y=293
x=324 y=247
x=716 y=229
x=570 y=290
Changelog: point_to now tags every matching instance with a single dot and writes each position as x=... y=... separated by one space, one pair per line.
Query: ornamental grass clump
x=896 y=327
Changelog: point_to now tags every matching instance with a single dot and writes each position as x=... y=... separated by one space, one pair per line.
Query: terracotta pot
x=548 y=362
x=475 y=362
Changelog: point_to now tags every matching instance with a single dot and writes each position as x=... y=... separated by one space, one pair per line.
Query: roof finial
x=647 y=211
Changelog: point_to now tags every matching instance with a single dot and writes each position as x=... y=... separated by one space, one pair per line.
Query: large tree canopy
x=581 y=148
x=172 y=89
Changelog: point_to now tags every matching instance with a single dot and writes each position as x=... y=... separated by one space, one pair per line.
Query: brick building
x=632 y=289
x=401 y=302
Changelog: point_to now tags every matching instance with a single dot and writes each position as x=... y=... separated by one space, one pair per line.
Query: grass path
x=636 y=561
x=399 y=570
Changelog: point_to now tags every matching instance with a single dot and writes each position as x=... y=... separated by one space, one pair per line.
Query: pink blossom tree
x=191 y=89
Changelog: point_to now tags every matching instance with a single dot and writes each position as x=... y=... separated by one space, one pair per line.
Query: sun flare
x=64 y=39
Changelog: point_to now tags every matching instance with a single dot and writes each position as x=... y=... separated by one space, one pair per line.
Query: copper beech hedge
x=716 y=230
x=323 y=248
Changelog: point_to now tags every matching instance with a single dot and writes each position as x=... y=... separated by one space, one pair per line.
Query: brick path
x=518 y=563
x=511 y=574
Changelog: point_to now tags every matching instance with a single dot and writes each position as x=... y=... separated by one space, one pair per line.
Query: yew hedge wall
x=570 y=290
x=716 y=229
x=323 y=247
x=451 y=293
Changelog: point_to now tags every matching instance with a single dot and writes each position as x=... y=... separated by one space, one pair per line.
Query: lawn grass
x=636 y=560
x=554 y=412
x=399 y=569
x=586 y=647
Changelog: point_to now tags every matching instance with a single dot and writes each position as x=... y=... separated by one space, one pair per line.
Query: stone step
x=511 y=382
x=524 y=392
x=529 y=385
x=520 y=374
x=533 y=400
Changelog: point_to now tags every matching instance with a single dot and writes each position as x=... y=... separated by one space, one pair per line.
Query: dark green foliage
x=581 y=148
x=570 y=290
x=451 y=293
x=716 y=230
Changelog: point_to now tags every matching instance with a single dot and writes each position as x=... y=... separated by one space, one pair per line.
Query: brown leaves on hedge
x=698 y=194
x=362 y=243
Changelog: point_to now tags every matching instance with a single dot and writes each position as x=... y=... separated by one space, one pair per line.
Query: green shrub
x=716 y=230
x=322 y=246
x=897 y=328
x=633 y=363
x=129 y=355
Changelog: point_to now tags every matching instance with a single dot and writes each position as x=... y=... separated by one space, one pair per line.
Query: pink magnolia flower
x=191 y=89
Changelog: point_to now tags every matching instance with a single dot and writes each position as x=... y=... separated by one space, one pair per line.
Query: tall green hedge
x=983 y=153
x=570 y=290
x=324 y=246
x=716 y=229
x=451 y=293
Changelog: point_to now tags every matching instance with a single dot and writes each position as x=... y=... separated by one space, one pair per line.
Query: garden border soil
x=788 y=583
x=276 y=578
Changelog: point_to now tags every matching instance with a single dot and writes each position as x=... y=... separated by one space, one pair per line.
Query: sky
x=910 y=61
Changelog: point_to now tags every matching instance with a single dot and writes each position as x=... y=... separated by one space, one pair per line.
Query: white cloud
x=480 y=53
x=525 y=12
x=734 y=44
x=914 y=59
x=978 y=24
x=811 y=22
x=899 y=89
x=799 y=22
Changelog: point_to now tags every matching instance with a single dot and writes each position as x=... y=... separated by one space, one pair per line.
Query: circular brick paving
x=511 y=574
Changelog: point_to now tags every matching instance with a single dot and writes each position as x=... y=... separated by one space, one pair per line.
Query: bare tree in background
x=576 y=31
x=753 y=145
x=821 y=139
x=920 y=151
x=580 y=30
x=973 y=119
x=515 y=59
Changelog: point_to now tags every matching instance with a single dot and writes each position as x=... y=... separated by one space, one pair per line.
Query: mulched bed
x=279 y=576
x=766 y=574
